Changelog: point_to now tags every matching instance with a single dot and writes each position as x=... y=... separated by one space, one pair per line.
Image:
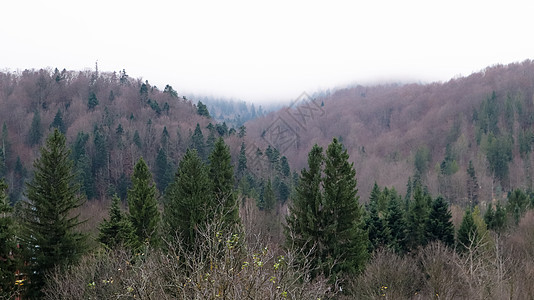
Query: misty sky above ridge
x=266 y=50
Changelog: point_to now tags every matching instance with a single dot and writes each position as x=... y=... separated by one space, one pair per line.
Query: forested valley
x=115 y=188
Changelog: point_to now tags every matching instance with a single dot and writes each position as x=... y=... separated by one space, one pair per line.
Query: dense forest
x=114 y=188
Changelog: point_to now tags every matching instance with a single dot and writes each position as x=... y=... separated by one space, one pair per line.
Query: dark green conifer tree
x=439 y=225
x=472 y=185
x=36 y=133
x=9 y=253
x=197 y=142
x=58 y=122
x=189 y=201
x=143 y=205
x=347 y=240
x=163 y=175
x=222 y=175
x=305 y=230
x=417 y=218
x=49 y=221
x=242 y=161
x=376 y=224
x=269 y=198
x=468 y=235
x=202 y=110
x=396 y=222
x=92 y=102
x=118 y=230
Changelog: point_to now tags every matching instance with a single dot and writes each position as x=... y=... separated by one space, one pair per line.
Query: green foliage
x=468 y=234
x=421 y=160
x=58 y=122
x=137 y=140
x=242 y=161
x=517 y=198
x=377 y=225
x=269 y=199
x=118 y=230
x=189 y=202
x=49 y=222
x=143 y=205
x=221 y=173
x=92 y=102
x=396 y=222
x=417 y=218
x=197 y=142
x=202 y=110
x=499 y=154
x=439 y=225
x=472 y=185
x=9 y=253
x=169 y=90
x=36 y=132
x=19 y=176
x=163 y=174
x=327 y=223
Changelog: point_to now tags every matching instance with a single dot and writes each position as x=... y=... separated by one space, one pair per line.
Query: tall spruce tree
x=376 y=223
x=222 y=175
x=58 y=122
x=472 y=185
x=118 y=230
x=242 y=161
x=197 y=142
x=189 y=204
x=49 y=220
x=269 y=198
x=143 y=206
x=439 y=225
x=417 y=218
x=9 y=254
x=36 y=133
x=343 y=213
x=396 y=222
x=305 y=229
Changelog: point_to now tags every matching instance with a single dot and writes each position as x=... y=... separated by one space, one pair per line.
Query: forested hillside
x=109 y=119
x=428 y=131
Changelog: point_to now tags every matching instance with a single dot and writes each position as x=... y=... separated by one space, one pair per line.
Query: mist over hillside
x=394 y=131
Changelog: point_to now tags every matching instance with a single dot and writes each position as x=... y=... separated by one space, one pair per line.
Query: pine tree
x=305 y=229
x=143 y=205
x=189 y=204
x=9 y=253
x=118 y=230
x=58 y=122
x=19 y=176
x=396 y=222
x=202 y=110
x=222 y=175
x=342 y=214
x=50 y=233
x=472 y=185
x=162 y=170
x=197 y=142
x=439 y=225
x=242 y=161
x=35 y=134
x=376 y=225
x=269 y=199
x=467 y=233
x=92 y=102
x=417 y=218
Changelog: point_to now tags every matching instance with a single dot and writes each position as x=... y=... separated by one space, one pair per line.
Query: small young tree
x=118 y=230
x=49 y=221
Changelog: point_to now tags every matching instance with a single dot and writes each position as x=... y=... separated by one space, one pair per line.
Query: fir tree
x=396 y=222
x=202 y=110
x=269 y=199
x=242 y=161
x=197 y=142
x=35 y=134
x=222 y=175
x=143 y=205
x=417 y=218
x=347 y=240
x=439 y=225
x=9 y=253
x=92 y=102
x=50 y=233
x=305 y=225
x=162 y=170
x=376 y=225
x=472 y=185
x=58 y=122
x=468 y=235
x=189 y=204
x=118 y=230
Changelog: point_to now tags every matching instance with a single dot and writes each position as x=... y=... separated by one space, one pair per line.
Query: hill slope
x=432 y=131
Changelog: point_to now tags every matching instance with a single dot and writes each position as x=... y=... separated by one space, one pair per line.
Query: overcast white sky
x=266 y=50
